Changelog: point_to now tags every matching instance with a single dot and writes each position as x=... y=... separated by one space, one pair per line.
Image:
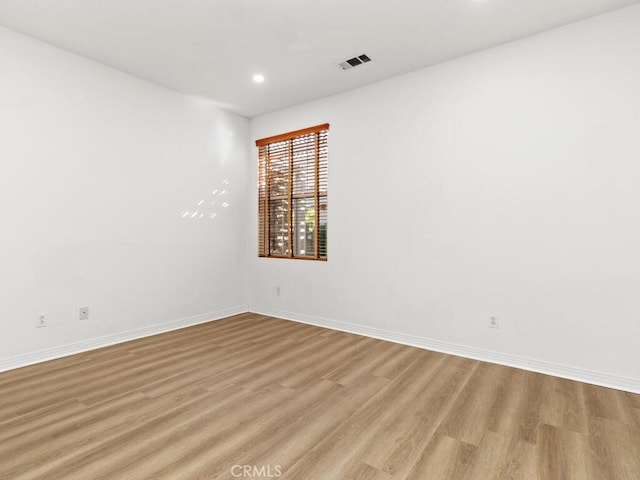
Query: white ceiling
x=212 y=48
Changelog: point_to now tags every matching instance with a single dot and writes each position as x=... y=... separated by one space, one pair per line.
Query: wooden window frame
x=265 y=196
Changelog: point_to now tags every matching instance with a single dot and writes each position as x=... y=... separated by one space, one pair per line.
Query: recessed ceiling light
x=258 y=78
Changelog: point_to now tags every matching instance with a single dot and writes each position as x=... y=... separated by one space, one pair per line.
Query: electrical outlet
x=41 y=321
x=493 y=322
x=278 y=291
x=83 y=313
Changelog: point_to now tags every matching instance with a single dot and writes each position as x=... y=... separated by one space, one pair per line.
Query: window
x=292 y=194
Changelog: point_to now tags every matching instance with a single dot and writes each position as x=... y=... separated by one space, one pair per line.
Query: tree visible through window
x=292 y=194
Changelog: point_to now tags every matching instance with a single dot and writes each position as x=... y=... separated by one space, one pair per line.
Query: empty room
x=338 y=240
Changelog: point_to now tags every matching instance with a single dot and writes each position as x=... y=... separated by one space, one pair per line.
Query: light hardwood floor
x=306 y=403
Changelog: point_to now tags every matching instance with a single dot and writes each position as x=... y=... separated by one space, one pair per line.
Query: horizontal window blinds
x=292 y=194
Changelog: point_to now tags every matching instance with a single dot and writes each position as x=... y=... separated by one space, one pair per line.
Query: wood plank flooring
x=258 y=397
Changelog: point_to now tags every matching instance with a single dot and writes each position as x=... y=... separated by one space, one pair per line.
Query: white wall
x=504 y=183
x=96 y=170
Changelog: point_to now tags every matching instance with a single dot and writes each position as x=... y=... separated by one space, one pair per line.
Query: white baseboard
x=78 y=347
x=618 y=382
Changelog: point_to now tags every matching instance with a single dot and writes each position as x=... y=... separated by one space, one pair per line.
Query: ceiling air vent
x=354 y=62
